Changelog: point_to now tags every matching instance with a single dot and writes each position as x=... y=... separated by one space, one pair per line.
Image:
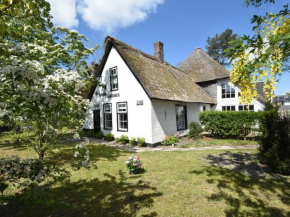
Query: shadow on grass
x=113 y=196
x=246 y=188
x=97 y=152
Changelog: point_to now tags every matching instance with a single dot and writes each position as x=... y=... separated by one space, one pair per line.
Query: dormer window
x=114 y=78
x=228 y=91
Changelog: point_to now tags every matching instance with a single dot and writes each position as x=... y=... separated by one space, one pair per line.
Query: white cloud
x=64 y=12
x=108 y=15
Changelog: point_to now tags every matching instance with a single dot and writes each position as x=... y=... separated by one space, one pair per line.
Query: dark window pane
x=233 y=108
x=241 y=108
x=228 y=95
x=223 y=108
x=251 y=107
x=233 y=95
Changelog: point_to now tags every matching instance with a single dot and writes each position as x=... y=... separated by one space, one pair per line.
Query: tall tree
x=218 y=44
x=263 y=56
x=42 y=70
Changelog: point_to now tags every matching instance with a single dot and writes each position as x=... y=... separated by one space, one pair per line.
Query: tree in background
x=263 y=56
x=42 y=71
x=217 y=45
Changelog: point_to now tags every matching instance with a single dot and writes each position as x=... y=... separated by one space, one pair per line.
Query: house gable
x=129 y=91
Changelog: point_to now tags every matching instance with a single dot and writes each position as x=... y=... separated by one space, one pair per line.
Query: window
x=246 y=108
x=181 y=117
x=122 y=116
x=229 y=108
x=107 y=114
x=204 y=108
x=114 y=78
x=228 y=91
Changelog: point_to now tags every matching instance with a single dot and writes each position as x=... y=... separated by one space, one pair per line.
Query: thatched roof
x=159 y=79
x=202 y=67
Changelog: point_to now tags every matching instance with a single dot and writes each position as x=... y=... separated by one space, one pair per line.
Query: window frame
x=232 y=91
x=111 y=76
x=117 y=112
x=104 y=116
x=185 y=117
x=245 y=108
x=231 y=106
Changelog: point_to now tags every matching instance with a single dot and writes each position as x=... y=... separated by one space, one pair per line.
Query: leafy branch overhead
x=262 y=57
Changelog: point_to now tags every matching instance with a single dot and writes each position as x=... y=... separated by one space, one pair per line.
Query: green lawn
x=207 y=142
x=193 y=183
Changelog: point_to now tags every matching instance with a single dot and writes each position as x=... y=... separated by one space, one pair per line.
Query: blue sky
x=182 y=25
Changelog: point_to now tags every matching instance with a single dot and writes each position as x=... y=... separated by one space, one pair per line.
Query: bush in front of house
x=99 y=135
x=90 y=133
x=141 y=141
x=274 y=148
x=195 y=130
x=109 y=137
x=123 y=139
x=230 y=123
x=169 y=140
x=132 y=141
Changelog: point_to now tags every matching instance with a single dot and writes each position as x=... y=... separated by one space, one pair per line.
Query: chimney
x=158 y=50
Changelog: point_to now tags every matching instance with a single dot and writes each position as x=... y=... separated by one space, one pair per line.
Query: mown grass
x=175 y=184
x=208 y=142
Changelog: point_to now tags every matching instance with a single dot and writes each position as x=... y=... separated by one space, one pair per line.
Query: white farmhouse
x=143 y=96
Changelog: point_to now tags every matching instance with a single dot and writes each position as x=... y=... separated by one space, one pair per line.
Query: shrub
x=275 y=144
x=90 y=133
x=141 y=141
x=123 y=139
x=230 y=123
x=132 y=141
x=195 y=130
x=169 y=140
x=99 y=135
x=109 y=137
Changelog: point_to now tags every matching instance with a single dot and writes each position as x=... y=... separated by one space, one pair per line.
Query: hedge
x=230 y=123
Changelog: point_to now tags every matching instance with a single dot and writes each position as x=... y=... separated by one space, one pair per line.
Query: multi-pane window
x=114 y=78
x=107 y=116
x=228 y=91
x=122 y=116
x=229 y=108
x=246 y=108
x=181 y=121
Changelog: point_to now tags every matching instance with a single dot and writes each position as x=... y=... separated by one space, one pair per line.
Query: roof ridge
x=143 y=53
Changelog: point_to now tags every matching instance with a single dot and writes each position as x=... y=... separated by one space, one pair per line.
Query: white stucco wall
x=232 y=101
x=139 y=117
x=164 y=118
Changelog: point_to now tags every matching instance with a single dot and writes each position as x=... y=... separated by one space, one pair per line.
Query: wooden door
x=97 y=121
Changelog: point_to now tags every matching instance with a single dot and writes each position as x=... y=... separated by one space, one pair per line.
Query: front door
x=97 y=121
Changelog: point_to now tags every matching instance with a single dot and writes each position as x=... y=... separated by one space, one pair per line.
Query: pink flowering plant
x=133 y=164
x=169 y=140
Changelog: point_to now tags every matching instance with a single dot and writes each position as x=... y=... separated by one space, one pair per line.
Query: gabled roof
x=159 y=79
x=202 y=67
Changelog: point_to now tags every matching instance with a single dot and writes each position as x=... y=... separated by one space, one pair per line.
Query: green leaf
x=2 y=28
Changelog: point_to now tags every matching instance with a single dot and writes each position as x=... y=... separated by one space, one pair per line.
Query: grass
x=208 y=142
x=193 y=183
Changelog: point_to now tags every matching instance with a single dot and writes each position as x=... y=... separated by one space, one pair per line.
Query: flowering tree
x=42 y=70
x=261 y=57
